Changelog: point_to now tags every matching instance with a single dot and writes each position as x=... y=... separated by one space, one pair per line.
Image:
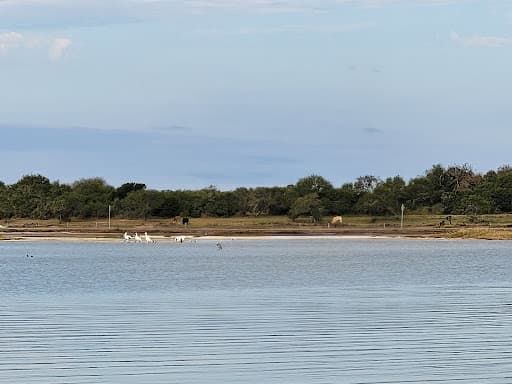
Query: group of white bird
x=179 y=239
x=136 y=238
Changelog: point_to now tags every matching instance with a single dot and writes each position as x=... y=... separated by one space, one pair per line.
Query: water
x=322 y=311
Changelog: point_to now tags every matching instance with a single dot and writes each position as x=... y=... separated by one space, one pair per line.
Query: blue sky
x=188 y=93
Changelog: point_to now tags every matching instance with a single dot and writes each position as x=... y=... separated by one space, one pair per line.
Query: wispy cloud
x=11 y=3
x=290 y=28
x=380 y=3
x=481 y=40
x=10 y=41
x=268 y=5
x=59 y=47
x=298 y=5
x=372 y=131
x=58 y=14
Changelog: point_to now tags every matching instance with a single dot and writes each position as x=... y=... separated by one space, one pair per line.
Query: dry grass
x=481 y=233
x=414 y=225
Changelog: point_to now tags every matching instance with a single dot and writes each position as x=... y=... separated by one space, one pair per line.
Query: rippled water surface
x=276 y=311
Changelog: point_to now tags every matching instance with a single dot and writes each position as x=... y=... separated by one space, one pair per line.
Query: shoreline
x=218 y=229
x=70 y=238
x=187 y=239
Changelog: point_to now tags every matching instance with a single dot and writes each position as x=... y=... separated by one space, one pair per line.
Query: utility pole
x=402 y=219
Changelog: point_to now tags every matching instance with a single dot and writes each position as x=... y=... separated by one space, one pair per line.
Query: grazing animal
x=185 y=221
x=137 y=238
x=336 y=220
x=127 y=237
x=148 y=238
x=176 y=219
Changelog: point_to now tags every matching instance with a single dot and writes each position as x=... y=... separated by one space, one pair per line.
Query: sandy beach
x=94 y=238
x=166 y=239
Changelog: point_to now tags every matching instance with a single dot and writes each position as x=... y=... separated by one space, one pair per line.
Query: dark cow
x=185 y=221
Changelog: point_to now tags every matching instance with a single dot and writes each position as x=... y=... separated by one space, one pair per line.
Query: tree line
x=440 y=190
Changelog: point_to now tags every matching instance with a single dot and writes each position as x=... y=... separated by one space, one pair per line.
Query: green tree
x=61 y=206
x=142 y=204
x=6 y=208
x=366 y=184
x=500 y=187
x=343 y=200
x=279 y=201
x=218 y=204
x=459 y=183
x=388 y=196
x=308 y=205
x=241 y=201
x=364 y=187
x=31 y=197
x=442 y=187
x=259 y=201
x=313 y=184
x=91 y=197
x=318 y=185
x=123 y=191
x=169 y=206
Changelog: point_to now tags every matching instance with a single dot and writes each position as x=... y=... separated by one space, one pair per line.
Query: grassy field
x=481 y=233
x=486 y=226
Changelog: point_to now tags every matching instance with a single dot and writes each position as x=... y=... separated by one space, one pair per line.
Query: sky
x=183 y=94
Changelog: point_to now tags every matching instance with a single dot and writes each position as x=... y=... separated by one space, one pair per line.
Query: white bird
x=179 y=239
x=148 y=239
x=137 y=238
x=127 y=237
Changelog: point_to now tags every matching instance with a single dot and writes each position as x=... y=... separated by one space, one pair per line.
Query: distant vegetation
x=441 y=190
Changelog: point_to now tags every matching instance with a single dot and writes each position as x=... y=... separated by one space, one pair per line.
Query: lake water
x=276 y=311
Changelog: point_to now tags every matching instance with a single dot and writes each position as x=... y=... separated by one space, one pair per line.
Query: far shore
x=108 y=238
x=490 y=227
x=162 y=239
